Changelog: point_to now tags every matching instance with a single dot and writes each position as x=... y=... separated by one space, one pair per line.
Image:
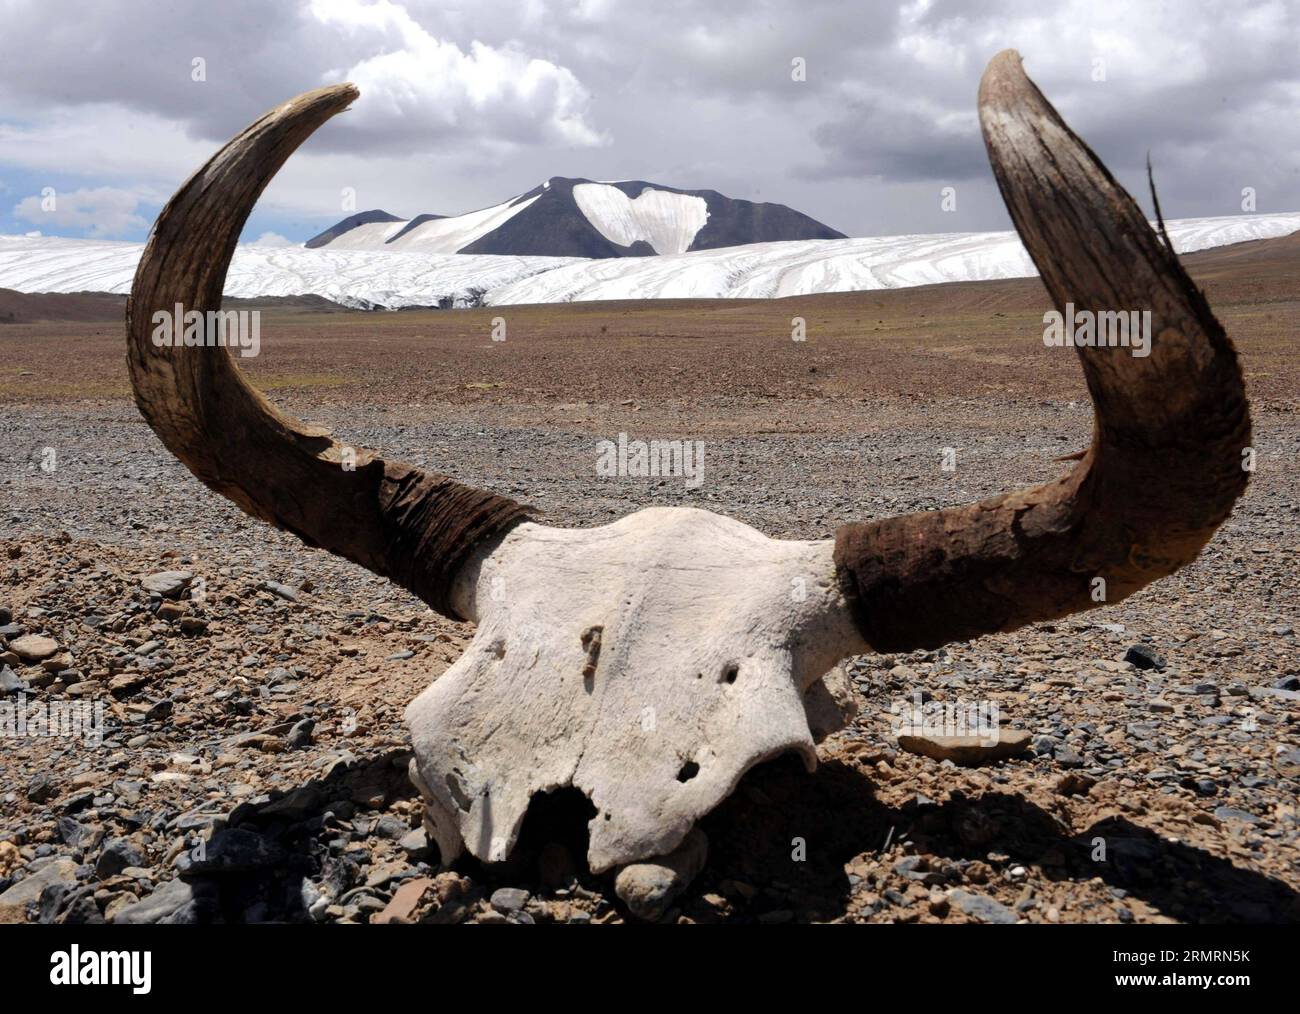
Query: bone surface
x=713 y=638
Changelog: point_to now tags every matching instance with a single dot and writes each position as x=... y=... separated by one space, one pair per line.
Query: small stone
x=116 y=856
x=1232 y=813
x=649 y=888
x=167 y=583
x=171 y=611
x=41 y=788
x=10 y=683
x=969 y=751
x=28 y=890
x=1068 y=757
x=33 y=648
x=982 y=907
x=281 y=590
x=300 y=735
x=10 y=858
x=160 y=711
x=1160 y=707
x=391 y=827
x=1143 y=656
x=417 y=846
x=509 y=899
x=71 y=832
x=406 y=899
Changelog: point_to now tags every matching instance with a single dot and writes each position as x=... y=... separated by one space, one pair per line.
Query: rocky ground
x=251 y=761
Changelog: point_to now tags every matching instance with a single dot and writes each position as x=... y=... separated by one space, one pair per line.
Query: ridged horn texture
x=1166 y=461
x=413 y=527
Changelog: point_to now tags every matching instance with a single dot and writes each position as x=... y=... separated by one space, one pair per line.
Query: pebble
x=167 y=583
x=417 y=846
x=968 y=751
x=300 y=735
x=1143 y=656
x=33 y=648
x=649 y=888
x=10 y=683
x=1068 y=757
x=509 y=899
x=117 y=855
x=41 y=788
x=981 y=907
x=1232 y=813
x=281 y=590
x=28 y=890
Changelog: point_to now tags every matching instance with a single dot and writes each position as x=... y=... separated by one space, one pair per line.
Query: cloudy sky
x=467 y=102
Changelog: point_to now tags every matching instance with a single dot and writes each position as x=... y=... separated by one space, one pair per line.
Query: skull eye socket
x=689 y=770
x=729 y=673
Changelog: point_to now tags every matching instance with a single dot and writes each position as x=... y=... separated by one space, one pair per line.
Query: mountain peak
x=575 y=217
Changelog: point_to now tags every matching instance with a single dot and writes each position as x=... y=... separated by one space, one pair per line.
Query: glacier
x=413 y=277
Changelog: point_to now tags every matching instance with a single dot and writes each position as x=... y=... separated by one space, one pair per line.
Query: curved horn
x=398 y=521
x=1165 y=465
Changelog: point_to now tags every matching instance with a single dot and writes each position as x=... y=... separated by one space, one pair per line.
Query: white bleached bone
x=648 y=663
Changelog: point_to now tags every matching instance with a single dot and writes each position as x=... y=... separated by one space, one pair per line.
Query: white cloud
x=410 y=77
x=466 y=102
x=100 y=212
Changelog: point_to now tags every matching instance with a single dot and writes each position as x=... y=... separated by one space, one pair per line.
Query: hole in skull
x=554 y=834
x=729 y=673
x=689 y=770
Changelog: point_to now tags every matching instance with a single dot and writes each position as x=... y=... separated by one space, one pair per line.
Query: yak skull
x=649 y=663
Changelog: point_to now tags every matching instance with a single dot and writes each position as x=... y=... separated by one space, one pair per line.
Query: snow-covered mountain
x=409 y=277
x=581 y=218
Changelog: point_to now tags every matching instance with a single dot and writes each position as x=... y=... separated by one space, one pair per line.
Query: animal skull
x=651 y=662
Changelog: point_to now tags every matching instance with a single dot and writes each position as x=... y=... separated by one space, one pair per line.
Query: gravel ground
x=250 y=763
x=252 y=766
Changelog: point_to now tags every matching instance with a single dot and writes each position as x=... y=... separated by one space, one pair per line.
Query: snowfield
x=420 y=274
x=667 y=221
x=437 y=236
